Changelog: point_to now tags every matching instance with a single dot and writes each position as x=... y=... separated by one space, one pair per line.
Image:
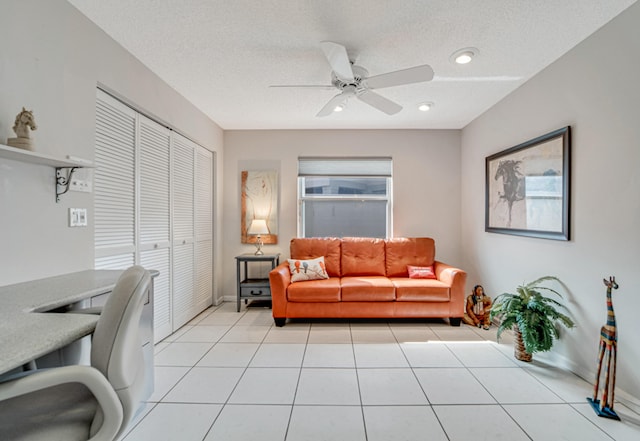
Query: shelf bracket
x=63 y=180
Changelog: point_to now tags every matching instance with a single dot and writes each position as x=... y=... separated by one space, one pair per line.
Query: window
x=340 y=197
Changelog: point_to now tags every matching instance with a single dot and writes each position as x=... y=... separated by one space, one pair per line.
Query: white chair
x=85 y=402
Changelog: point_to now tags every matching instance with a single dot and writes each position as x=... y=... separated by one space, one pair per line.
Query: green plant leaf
x=535 y=314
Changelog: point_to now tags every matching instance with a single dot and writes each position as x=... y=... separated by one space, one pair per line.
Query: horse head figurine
x=24 y=122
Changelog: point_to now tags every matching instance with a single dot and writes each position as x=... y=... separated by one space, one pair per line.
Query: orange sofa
x=368 y=278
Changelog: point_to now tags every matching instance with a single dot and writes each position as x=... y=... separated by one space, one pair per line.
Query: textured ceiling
x=222 y=55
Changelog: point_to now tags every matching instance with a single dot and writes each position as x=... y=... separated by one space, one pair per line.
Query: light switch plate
x=77 y=217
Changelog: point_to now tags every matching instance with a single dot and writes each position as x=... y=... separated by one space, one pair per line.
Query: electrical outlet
x=77 y=217
x=80 y=185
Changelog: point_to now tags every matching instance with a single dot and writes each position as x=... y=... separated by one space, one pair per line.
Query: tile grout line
x=388 y=326
x=355 y=365
x=430 y=405
x=199 y=360
x=295 y=392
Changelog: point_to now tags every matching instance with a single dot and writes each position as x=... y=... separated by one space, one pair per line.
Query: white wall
x=426 y=182
x=51 y=60
x=594 y=89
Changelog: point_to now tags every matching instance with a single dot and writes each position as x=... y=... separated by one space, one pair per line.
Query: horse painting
x=24 y=122
x=513 y=183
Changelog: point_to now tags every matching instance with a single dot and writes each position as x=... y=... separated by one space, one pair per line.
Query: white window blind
x=347 y=166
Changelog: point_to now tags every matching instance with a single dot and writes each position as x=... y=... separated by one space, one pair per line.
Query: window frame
x=303 y=197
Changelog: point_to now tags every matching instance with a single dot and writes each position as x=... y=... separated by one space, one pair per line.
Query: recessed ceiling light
x=464 y=56
x=425 y=107
x=339 y=108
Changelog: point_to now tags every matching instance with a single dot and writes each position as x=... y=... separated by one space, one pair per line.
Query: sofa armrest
x=456 y=279
x=279 y=279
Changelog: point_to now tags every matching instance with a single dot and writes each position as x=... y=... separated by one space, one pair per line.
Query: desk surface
x=27 y=331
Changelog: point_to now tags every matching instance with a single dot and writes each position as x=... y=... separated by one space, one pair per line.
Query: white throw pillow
x=310 y=269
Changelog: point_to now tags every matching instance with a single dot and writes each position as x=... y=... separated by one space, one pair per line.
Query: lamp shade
x=258 y=226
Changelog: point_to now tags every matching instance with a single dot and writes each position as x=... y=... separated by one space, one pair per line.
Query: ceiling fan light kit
x=464 y=56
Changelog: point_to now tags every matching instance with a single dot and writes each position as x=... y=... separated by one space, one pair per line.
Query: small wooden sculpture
x=24 y=122
x=478 y=308
x=608 y=351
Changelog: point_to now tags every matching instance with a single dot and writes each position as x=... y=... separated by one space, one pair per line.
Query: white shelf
x=22 y=155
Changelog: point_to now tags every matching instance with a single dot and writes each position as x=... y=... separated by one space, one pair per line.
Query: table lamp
x=258 y=227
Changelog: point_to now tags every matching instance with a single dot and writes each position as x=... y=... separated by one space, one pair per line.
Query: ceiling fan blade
x=335 y=101
x=338 y=59
x=379 y=102
x=304 y=86
x=415 y=74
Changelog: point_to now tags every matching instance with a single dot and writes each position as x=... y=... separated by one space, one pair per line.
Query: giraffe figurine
x=607 y=352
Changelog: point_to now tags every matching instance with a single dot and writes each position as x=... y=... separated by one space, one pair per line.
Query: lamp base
x=259 y=244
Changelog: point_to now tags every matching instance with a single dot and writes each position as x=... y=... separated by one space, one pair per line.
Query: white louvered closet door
x=203 y=193
x=153 y=206
x=154 y=220
x=114 y=184
x=184 y=305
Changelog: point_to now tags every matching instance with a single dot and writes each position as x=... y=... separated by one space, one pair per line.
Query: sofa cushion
x=420 y=290
x=362 y=256
x=400 y=252
x=312 y=269
x=310 y=248
x=367 y=289
x=326 y=290
x=421 y=272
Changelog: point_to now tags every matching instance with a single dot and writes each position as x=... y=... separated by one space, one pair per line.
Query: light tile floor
x=235 y=376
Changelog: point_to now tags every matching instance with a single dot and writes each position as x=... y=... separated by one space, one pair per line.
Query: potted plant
x=532 y=316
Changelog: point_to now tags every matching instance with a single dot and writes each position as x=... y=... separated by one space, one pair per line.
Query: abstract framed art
x=527 y=188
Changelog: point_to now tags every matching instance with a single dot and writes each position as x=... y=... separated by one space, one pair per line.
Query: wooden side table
x=253 y=288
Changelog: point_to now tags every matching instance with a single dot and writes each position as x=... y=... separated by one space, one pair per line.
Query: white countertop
x=28 y=332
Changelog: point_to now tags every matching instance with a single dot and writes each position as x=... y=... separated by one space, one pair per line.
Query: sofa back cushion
x=416 y=251
x=312 y=247
x=362 y=256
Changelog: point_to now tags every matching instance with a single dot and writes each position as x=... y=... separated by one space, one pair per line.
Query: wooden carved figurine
x=607 y=352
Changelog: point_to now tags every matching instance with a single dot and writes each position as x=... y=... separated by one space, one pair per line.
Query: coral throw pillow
x=311 y=269
x=421 y=272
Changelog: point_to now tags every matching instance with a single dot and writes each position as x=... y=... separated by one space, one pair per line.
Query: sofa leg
x=455 y=321
x=280 y=321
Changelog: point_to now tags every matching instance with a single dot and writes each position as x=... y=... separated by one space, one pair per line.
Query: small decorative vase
x=518 y=347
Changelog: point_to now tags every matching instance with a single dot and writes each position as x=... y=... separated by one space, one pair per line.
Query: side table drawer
x=255 y=291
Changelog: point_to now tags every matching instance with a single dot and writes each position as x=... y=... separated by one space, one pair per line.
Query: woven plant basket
x=518 y=347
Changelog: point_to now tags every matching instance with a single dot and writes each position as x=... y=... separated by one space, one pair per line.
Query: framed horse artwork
x=527 y=188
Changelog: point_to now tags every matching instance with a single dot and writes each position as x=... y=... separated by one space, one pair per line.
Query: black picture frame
x=527 y=188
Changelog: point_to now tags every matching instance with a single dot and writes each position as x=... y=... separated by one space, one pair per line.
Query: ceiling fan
x=353 y=80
